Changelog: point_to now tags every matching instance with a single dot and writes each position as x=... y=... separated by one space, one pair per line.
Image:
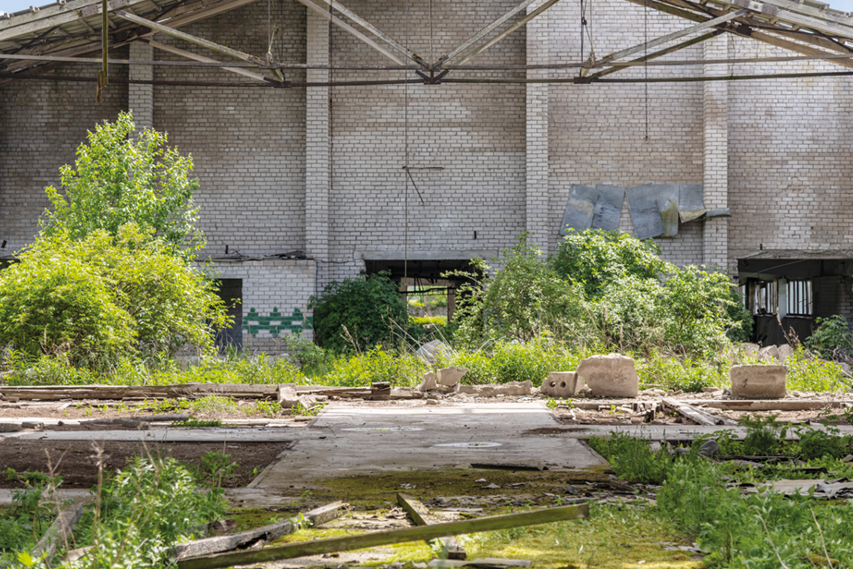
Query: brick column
x=317 y=146
x=140 y=98
x=537 y=133
x=716 y=173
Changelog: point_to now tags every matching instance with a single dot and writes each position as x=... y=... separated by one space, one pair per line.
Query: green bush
x=680 y=372
x=524 y=299
x=357 y=314
x=808 y=373
x=102 y=298
x=595 y=258
x=122 y=178
x=633 y=459
x=831 y=338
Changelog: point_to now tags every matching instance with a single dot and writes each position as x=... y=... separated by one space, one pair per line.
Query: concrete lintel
x=392 y=255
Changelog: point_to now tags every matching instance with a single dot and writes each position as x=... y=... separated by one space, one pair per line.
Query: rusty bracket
x=432 y=79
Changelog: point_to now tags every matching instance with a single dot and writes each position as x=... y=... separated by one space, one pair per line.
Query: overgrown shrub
x=681 y=372
x=357 y=314
x=102 y=298
x=524 y=299
x=360 y=370
x=831 y=338
x=808 y=373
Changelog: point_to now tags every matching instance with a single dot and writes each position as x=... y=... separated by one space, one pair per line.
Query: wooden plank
x=255 y=537
x=65 y=17
x=59 y=532
x=189 y=390
x=418 y=513
x=350 y=543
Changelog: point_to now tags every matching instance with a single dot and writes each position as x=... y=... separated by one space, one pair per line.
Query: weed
x=217 y=467
x=268 y=409
x=633 y=459
x=301 y=410
x=195 y=422
x=764 y=436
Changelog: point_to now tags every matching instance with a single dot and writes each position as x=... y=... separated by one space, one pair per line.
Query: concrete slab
x=360 y=441
x=175 y=435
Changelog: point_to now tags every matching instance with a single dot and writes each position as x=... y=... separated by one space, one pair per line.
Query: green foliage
x=104 y=298
x=142 y=511
x=357 y=314
x=504 y=361
x=26 y=521
x=259 y=369
x=300 y=410
x=764 y=436
x=522 y=300
x=269 y=409
x=832 y=338
x=807 y=373
x=681 y=372
x=194 y=422
x=305 y=353
x=633 y=459
x=360 y=370
x=741 y=331
x=119 y=178
x=217 y=467
x=595 y=258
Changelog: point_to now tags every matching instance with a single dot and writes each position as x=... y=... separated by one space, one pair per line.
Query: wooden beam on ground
x=418 y=513
x=696 y=415
x=188 y=390
x=59 y=532
x=350 y=543
x=203 y=59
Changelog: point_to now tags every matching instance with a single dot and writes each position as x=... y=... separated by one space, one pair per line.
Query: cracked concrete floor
x=350 y=440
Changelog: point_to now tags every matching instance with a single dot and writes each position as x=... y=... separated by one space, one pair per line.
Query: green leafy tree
x=525 y=298
x=119 y=178
x=96 y=300
x=596 y=257
x=358 y=313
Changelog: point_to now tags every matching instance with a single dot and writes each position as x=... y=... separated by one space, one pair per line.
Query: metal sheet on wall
x=667 y=199
x=643 y=207
x=580 y=208
x=691 y=202
x=608 y=207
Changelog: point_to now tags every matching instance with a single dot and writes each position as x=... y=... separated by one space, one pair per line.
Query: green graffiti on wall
x=276 y=322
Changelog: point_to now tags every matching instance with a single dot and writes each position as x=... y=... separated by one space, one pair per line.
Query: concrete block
x=287 y=396
x=758 y=381
x=450 y=376
x=561 y=384
x=768 y=353
x=10 y=427
x=428 y=382
x=612 y=375
x=785 y=350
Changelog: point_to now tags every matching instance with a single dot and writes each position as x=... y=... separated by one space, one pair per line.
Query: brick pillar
x=141 y=97
x=317 y=146
x=716 y=173
x=537 y=132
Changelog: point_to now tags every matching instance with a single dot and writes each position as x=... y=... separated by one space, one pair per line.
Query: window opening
x=799 y=295
x=764 y=298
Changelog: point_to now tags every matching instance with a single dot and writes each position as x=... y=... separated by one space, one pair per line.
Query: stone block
x=287 y=396
x=785 y=350
x=428 y=383
x=450 y=376
x=758 y=381
x=561 y=384
x=10 y=427
x=612 y=375
x=768 y=353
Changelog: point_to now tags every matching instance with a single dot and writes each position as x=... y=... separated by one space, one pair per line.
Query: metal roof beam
x=203 y=59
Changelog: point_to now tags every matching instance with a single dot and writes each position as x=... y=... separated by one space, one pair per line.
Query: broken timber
x=695 y=415
x=59 y=531
x=417 y=511
x=350 y=543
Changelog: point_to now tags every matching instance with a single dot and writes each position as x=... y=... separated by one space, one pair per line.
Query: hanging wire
x=583 y=24
x=406 y=157
x=646 y=67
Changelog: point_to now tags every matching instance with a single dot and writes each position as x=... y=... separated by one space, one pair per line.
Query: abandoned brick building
x=364 y=172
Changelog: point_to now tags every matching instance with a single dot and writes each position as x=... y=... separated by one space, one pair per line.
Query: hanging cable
x=646 y=67
x=406 y=157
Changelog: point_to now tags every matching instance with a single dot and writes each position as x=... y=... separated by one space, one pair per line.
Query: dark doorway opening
x=231 y=292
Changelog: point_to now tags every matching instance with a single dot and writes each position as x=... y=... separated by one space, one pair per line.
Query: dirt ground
x=76 y=461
